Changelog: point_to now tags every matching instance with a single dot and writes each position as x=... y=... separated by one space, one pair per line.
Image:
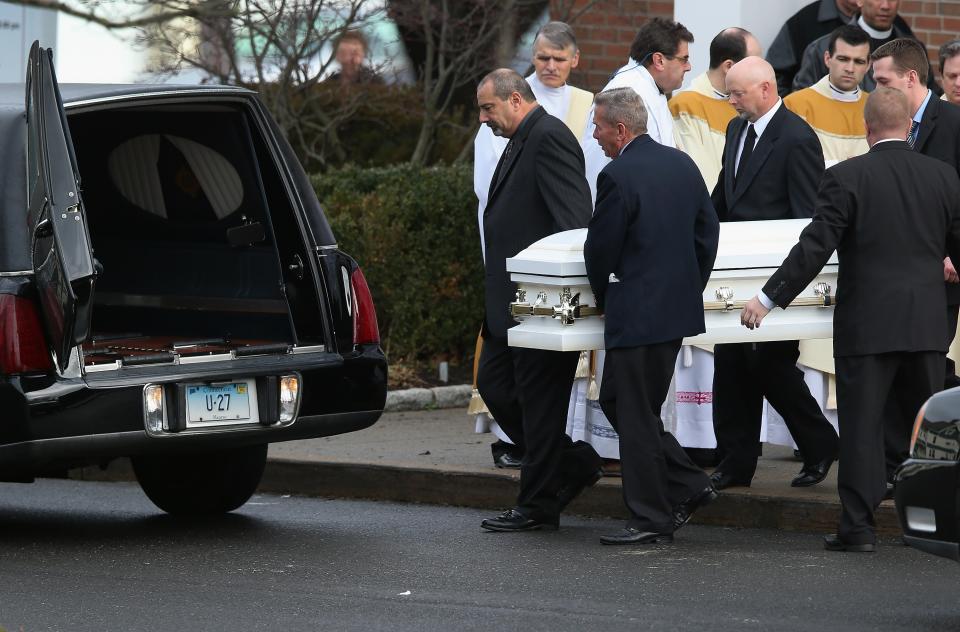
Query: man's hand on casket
x=753 y=312
x=949 y=272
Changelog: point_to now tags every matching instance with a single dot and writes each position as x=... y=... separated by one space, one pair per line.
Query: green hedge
x=414 y=232
x=376 y=125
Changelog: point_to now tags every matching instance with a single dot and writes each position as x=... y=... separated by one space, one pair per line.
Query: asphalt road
x=98 y=556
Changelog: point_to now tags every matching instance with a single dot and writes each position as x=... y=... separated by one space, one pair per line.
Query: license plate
x=218 y=403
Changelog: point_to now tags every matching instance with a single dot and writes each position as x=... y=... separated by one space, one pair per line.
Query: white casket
x=556 y=307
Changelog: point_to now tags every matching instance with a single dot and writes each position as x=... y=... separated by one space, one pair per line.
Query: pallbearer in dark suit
x=890 y=214
x=934 y=132
x=649 y=252
x=537 y=189
x=772 y=163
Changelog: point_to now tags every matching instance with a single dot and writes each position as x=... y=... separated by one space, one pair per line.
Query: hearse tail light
x=153 y=407
x=289 y=397
x=23 y=347
x=916 y=426
x=365 y=328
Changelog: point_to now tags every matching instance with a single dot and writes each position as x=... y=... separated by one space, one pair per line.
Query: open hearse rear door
x=63 y=262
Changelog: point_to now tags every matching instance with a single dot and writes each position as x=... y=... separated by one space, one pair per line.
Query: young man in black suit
x=654 y=232
x=890 y=214
x=772 y=163
x=903 y=64
x=537 y=189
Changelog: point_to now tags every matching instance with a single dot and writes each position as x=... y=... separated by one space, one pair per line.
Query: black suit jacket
x=542 y=190
x=780 y=180
x=655 y=229
x=940 y=138
x=891 y=215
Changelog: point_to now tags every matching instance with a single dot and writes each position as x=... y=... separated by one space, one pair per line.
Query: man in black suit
x=934 y=132
x=903 y=64
x=655 y=233
x=772 y=163
x=537 y=189
x=890 y=214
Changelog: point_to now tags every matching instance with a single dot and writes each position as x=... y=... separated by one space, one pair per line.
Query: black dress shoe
x=631 y=535
x=571 y=490
x=833 y=542
x=683 y=511
x=888 y=492
x=812 y=474
x=722 y=480
x=507 y=461
x=513 y=520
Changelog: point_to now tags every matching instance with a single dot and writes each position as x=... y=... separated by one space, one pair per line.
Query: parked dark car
x=928 y=483
x=170 y=290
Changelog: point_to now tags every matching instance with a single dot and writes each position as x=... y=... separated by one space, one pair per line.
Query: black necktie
x=748 y=144
x=912 y=136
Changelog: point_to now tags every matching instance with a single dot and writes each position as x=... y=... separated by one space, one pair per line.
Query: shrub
x=414 y=232
x=371 y=125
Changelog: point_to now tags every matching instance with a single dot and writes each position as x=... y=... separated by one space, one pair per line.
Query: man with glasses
x=659 y=58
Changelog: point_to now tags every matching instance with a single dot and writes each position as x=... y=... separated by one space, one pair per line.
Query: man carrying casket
x=772 y=162
x=537 y=189
x=891 y=215
x=555 y=55
x=649 y=251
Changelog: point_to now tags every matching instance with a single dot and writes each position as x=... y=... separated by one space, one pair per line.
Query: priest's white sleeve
x=487 y=150
x=593 y=157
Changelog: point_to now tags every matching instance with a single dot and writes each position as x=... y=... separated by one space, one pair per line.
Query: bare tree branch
x=150 y=12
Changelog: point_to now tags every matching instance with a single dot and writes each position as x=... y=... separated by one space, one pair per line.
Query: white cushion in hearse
x=133 y=169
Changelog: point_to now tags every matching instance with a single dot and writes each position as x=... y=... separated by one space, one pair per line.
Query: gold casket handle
x=725 y=302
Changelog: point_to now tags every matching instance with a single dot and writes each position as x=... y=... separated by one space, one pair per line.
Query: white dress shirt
x=758 y=126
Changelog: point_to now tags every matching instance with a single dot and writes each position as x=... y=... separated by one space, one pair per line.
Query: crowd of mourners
x=780 y=136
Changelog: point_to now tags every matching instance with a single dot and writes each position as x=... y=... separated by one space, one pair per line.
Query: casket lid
x=560 y=254
x=743 y=245
x=762 y=244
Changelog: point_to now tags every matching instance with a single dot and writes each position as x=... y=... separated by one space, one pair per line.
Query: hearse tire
x=203 y=483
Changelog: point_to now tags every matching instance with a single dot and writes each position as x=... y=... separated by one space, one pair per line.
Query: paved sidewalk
x=433 y=456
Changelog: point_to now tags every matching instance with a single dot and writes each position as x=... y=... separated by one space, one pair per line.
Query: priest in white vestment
x=555 y=54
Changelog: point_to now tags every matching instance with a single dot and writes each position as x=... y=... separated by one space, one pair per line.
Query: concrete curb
x=497 y=490
x=457 y=396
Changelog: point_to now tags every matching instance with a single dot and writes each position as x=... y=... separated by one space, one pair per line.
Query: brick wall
x=606 y=30
x=933 y=22
x=605 y=33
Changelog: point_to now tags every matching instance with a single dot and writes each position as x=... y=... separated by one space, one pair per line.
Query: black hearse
x=170 y=290
x=928 y=483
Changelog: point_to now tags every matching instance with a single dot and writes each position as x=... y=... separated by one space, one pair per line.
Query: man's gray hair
x=507 y=81
x=557 y=35
x=623 y=105
x=948 y=51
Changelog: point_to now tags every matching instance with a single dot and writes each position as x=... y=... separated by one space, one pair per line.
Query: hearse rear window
x=164 y=174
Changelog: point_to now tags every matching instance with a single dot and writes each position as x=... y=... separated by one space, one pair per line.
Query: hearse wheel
x=202 y=483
